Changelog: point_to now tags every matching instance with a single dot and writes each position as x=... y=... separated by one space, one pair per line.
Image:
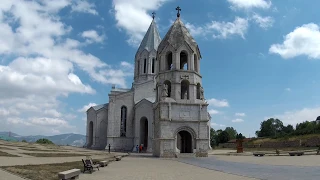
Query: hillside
x=61 y=139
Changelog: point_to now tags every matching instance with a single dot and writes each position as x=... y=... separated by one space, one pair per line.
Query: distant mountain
x=61 y=139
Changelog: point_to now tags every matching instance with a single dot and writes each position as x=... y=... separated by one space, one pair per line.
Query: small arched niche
x=184 y=60
x=168 y=84
x=169 y=63
x=185 y=89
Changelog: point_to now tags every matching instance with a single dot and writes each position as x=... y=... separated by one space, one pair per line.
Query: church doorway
x=144 y=132
x=184 y=142
x=90 y=134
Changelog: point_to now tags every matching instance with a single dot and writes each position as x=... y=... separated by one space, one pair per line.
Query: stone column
x=176 y=60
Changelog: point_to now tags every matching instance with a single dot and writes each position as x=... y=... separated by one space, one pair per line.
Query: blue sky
x=260 y=58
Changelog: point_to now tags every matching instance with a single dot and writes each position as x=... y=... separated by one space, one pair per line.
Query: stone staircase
x=185 y=155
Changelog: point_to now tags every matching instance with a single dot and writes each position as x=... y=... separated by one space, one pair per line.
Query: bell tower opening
x=169 y=61
x=183 y=60
x=185 y=89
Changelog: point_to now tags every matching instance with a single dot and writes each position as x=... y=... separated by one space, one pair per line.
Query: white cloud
x=263 y=22
x=218 y=103
x=40 y=63
x=237 y=120
x=86 y=107
x=92 y=36
x=218 y=125
x=84 y=7
x=224 y=29
x=127 y=12
x=213 y=112
x=288 y=89
x=195 y=30
x=240 y=114
x=249 y=4
x=303 y=40
x=297 y=116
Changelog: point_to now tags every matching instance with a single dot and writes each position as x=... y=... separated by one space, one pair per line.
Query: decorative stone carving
x=185 y=96
x=164 y=90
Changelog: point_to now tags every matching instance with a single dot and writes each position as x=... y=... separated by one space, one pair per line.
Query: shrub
x=44 y=141
x=277 y=152
x=23 y=140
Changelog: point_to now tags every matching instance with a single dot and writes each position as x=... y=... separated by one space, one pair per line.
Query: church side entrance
x=184 y=142
x=144 y=132
x=90 y=134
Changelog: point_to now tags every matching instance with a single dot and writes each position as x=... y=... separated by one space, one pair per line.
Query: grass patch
x=54 y=154
x=6 y=148
x=280 y=149
x=50 y=171
x=7 y=154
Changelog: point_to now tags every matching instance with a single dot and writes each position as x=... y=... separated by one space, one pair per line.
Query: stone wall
x=311 y=142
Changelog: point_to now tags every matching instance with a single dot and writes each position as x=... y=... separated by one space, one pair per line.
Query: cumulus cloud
x=303 y=40
x=126 y=14
x=297 y=116
x=237 y=120
x=225 y=29
x=217 y=125
x=213 y=112
x=250 y=4
x=86 y=107
x=84 y=7
x=92 y=36
x=263 y=22
x=41 y=63
x=218 y=103
x=240 y=114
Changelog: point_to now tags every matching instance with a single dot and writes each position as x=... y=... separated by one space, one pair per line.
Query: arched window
x=138 y=67
x=123 y=121
x=183 y=60
x=153 y=64
x=185 y=89
x=168 y=83
x=195 y=61
x=169 y=61
x=198 y=90
x=145 y=66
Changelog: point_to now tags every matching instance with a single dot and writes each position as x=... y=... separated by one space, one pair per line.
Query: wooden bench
x=104 y=163
x=118 y=158
x=258 y=154
x=297 y=153
x=70 y=174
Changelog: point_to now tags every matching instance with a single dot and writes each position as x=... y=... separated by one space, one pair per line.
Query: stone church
x=165 y=110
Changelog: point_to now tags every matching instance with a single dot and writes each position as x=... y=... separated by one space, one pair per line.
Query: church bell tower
x=181 y=119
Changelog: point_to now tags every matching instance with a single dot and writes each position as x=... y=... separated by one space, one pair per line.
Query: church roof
x=98 y=107
x=177 y=35
x=151 y=39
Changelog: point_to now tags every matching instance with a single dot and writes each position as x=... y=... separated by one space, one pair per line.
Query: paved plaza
x=145 y=167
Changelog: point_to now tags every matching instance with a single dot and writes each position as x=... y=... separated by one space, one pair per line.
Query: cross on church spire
x=178 y=9
x=153 y=15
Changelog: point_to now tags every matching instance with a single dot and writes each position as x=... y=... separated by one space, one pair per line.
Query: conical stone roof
x=151 y=39
x=177 y=35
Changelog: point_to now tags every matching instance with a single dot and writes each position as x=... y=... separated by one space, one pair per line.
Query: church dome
x=177 y=35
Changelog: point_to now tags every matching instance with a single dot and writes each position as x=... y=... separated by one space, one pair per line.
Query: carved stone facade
x=165 y=109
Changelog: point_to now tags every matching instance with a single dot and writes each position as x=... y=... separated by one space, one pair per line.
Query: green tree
x=223 y=137
x=232 y=132
x=213 y=138
x=23 y=140
x=44 y=141
x=270 y=128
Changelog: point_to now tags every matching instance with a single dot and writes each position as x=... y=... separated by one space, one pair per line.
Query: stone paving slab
x=259 y=171
x=145 y=168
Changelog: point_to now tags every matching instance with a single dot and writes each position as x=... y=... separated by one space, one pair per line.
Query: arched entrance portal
x=184 y=142
x=90 y=134
x=144 y=132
